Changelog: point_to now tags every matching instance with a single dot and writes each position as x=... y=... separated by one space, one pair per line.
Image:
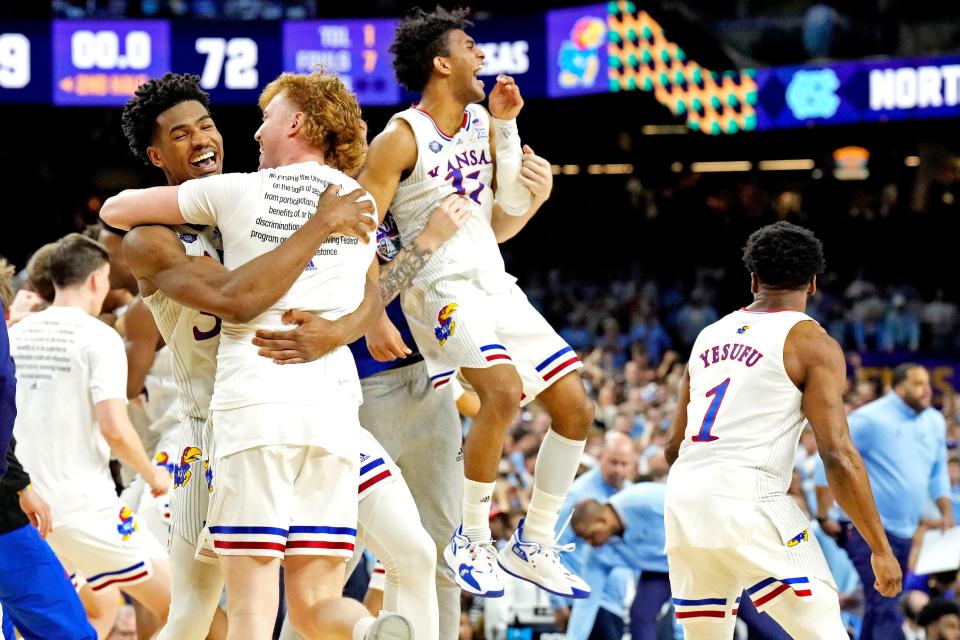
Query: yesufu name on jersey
x=734 y=352
x=470 y=158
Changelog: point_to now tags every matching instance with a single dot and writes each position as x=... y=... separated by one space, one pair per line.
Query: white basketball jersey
x=191 y=336
x=744 y=417
x=445 y=165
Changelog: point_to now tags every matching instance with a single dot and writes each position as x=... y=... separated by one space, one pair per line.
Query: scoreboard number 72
x=235 y=59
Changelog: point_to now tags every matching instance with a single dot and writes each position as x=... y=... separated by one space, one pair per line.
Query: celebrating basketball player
x=754 y=378
x=465 y=312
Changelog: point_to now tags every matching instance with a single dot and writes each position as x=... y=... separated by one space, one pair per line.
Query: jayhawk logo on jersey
x=742 y=330
x=127 y=524
x=803 y=536
x=181 y=472
x=162 y=459
x=208 y=474
x=446 y=325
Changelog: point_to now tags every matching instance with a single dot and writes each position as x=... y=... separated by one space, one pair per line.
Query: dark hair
x=584 y=513
x=419 y=38
x=936 y=609
x=784 y=256
x=153 y=98
x=902 y=371
x=75 y=258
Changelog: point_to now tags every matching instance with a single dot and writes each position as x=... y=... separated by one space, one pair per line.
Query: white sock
x=476 y=509
x=557 y=463
x=362 y=627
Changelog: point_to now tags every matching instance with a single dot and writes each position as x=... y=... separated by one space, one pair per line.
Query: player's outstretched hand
x=445 y=220
x=312 y=338
x=347 y=214
x=505 y=99
x=37 y=509
x=159 y=482
x=385 y=342
x=536 y=174
x=887 y=571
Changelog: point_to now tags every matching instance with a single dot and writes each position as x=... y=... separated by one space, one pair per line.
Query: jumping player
x=754 y=378
x=464 y=310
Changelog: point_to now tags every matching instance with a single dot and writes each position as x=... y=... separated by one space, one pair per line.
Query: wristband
x=20 y=492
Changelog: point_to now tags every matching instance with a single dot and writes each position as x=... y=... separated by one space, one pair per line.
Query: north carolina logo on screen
x=579 y=57
x=813 y=94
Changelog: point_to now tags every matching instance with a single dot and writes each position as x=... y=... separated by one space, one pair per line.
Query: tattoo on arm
x=401 y=271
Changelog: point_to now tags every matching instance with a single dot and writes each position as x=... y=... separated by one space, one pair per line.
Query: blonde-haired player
x=287 y=438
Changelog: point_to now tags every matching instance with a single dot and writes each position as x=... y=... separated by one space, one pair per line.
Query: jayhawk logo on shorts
x=181 y=472
x=742 y=330
x=208 y=474
x=446 y=326
x=127 y=524
x=803 y=536
x=162 y=459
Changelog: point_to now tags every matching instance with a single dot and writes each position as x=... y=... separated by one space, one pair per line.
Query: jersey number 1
x=708 y=420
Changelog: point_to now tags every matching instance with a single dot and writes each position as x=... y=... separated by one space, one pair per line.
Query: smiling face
x=186 y=143
x=279 y=120
x=465 y=60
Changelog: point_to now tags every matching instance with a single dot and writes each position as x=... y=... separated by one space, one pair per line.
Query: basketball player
x=286 y=478
x=464 y=310
x=754 y=378
x=71 y=396
x=386 y=517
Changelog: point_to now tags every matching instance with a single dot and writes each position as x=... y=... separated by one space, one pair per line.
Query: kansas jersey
x=191 y=336
x=461 y=163
x=743 y=425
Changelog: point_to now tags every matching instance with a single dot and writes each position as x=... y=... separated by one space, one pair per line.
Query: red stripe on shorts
x=803 y=593
x=498 y=356
x=116 y=580
x=560 y=368
x=700 y=614
x=228 y=544
x=770 y=596
x=319 y=544
x=374 y=480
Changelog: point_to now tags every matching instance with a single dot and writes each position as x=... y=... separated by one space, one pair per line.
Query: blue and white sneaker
x=539 y=563
x=474 y=565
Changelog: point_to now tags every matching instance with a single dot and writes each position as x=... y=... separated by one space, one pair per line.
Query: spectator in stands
x=903 y=444
x=940 y=318
x=901 y=326
x=941 y=620
x=911 y=605
x=627 y=532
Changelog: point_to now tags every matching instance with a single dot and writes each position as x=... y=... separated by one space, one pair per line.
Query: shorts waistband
x=408 y=372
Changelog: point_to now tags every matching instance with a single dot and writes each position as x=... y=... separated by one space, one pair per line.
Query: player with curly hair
x=285 y=473
x=755 y=377
x=465 y=311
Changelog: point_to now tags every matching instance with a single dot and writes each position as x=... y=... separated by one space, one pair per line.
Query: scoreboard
x=102 y=62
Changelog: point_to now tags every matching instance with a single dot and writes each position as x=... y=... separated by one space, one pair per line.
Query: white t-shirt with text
x=255 y=213
x=67 y=361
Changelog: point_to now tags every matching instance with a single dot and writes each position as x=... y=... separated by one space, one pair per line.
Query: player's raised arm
x=392 y=154
x=536 y=176
x=814 y=361
x=156 y=256
x=156 y=205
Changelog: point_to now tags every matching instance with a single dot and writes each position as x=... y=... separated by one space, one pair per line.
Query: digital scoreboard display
x=356 y=50
x=25 y=62
x=102 y=63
